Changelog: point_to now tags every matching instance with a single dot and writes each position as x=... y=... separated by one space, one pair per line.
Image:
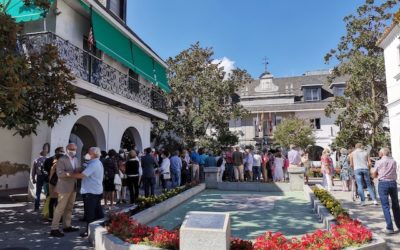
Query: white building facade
x=390 y=42
x=271 y=100
x=120 y=83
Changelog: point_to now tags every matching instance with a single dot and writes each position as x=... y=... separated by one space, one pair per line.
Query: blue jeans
x=40 y=181
x=386 y=189
x=176 y=178
x=364 y=174
x=256 y=173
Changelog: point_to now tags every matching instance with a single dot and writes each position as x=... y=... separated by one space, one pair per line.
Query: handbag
x=117 y=179
x=54 y=179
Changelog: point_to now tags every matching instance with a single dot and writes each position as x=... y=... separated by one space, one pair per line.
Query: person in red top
x=264 y=162
x=229 y=165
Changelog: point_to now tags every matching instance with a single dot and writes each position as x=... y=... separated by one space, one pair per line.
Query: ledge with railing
x=88 y=67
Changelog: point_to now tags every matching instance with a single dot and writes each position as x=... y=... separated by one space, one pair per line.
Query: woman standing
x=165 y=173
x=326 y=168
x=346 y=172
x=110 y=170
x=133 y=171
x=278 y=167
x=264 y=163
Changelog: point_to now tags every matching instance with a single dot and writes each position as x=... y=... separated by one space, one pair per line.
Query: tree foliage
x=362 y=109
x=201 y=96
x=294 y=131
x=34 y=86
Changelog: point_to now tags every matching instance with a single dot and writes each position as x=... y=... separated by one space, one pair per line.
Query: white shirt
x=257 y=160
x=165 y=164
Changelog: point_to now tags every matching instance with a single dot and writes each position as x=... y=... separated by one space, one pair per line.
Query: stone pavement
x=21 y=228
x=370 y=215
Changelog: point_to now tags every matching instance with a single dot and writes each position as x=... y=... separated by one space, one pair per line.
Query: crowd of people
x=112 y=176
x=357 y=172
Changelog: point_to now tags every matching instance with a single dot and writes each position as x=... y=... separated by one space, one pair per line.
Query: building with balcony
x=270 y=100
x=390 y=42
x=120 y=81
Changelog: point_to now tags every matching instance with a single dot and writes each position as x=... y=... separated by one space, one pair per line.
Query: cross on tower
x=265 y=62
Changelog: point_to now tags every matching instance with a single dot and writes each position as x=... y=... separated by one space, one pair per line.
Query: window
x=133 y=84
x=339 y=91
x=315 y=123
x=312 y=94
x=117 y=7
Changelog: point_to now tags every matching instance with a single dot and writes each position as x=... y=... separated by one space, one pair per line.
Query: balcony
x=93 y=70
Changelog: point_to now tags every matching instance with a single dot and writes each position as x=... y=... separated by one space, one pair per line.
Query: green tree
x=35 y=86
x=362 y=109
x=202 y=96
x=294 y=131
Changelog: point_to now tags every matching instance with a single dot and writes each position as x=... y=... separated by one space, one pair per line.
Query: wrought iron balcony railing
x=88 y=67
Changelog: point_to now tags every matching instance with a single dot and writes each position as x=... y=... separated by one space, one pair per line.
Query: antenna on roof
x=265 y=62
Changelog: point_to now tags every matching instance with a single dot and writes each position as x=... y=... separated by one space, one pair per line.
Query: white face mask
x=87 y=157
x=71 y=153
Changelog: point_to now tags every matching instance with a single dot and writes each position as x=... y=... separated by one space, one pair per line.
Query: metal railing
x=88 y=67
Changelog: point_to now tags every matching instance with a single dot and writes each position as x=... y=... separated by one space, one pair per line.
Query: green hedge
x=333 y=205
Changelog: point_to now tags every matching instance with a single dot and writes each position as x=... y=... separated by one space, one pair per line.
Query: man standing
x=294 y=157
x=92 y=187
x=248 y=176
x=360 y=162
x=176 y=168
x=39 y=176
x=238 y=164
x=149 y=177
x=195 y=159
x=229 y=165
x=66 y=189
x=385 y=170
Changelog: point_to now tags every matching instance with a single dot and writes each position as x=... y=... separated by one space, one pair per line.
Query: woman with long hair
x=326 y=168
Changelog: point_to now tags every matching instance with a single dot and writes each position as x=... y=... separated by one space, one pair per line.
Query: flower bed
x=135 y=233
x=147 y=202
x=333 y=205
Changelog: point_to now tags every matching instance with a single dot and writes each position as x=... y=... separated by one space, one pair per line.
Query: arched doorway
x=131 y=140
x=87 y=132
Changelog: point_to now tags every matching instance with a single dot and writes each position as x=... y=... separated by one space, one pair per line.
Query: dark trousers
x=40 y=181
x=230 y=172
x=52 y=205
x=256 y=173
x=164 y=182
x=92 y=208
x=201 y=173
x=386 y=189
x=133 y=187
x=184 y=176
x=148 y=183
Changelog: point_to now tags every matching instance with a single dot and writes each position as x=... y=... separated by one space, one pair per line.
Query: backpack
x=39 y=165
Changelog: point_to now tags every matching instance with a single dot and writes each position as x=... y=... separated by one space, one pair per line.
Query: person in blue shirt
x=210 y=160
x=92 y=187
x=176 y=168
x=195 y=160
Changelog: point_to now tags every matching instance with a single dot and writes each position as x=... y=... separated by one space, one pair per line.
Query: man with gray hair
x=92 y=187
x=385 y=171
x=66 y=188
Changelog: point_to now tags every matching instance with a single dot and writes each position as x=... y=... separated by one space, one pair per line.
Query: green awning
x=115 y=44
x=22 y=13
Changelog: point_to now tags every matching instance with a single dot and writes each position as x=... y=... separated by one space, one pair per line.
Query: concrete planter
x=156 y=211
x=102 y=240
x=327 y=218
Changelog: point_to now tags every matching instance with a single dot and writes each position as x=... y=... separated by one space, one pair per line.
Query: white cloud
x=228 y=65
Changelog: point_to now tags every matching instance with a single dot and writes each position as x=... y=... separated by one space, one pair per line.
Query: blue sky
x=294 y=35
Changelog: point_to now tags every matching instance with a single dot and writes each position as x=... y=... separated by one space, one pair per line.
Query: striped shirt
x=386 y=169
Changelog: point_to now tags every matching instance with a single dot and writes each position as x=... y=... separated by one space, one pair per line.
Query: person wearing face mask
x=66 y=188
x=92 y=187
